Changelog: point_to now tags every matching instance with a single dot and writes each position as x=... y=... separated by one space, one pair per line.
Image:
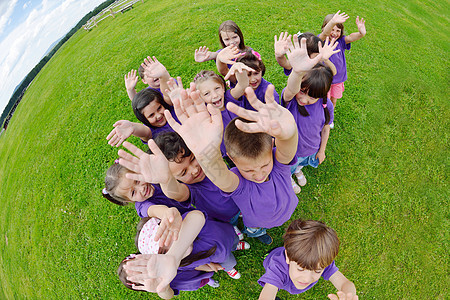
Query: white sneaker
x=295 y=186
x=301 y=179
x=242 y=246
x=238 y=233
x=233 y=273
x=332 y=125
x=213 y=283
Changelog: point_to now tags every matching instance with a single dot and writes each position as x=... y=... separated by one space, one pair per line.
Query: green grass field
x=383 y=186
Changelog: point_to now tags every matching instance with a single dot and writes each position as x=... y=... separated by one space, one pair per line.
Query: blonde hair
x=113 y=177
x=311 y=244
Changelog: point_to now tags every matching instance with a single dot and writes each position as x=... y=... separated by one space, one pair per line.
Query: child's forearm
x=286 y=149
x=163 y=86
x=175 y=190
x=269 y=292
x=131 y=93
x=348 y=287
x=325 y=134
x=157 y=211
x=330 y=65
x=141 y=131
x=283 y=62
x=190 y=228
x=353 y=37
x=212 y=55
x=222 y=68
x=293 y=85
x=216 y=170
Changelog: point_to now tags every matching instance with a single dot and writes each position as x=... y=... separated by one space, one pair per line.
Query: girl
x=252 y=60
x=148 y=107
x=333 y=27
x=305 y=96
x=310 y=248
x=229 y=35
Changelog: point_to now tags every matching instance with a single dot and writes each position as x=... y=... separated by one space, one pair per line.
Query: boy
x=308 y=254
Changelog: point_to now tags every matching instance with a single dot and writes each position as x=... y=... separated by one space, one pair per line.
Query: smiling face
x=335 y=32
x=302 y=278
x=230 y=38
x=212 y=92
x=254 y=79
x=135 y=191
x=255 y=169
x=154 y=113
x=152 y=82
x=303 y=98
x=187 y=169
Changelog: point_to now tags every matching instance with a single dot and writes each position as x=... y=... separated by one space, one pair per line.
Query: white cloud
x=7 y=8
x=27 y=43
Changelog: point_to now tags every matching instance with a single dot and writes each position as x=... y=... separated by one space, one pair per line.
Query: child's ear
x=144 y=81
x=287 y=258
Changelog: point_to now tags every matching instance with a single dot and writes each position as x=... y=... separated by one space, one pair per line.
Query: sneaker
x=265 y=239
x=301 y=179
x=234 y=274
x=295 y=186
x=238 y=233
x=213 y=283
x=242 y=246
x=332 y=125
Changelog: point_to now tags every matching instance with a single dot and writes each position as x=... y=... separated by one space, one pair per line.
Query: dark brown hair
x=144 y=98
x=311 y=244
x=172 y=145
x=232 y=27
x=252 y=61
x=242 y=144
x=312 y=42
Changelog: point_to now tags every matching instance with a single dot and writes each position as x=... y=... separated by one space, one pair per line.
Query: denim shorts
x=306 y=161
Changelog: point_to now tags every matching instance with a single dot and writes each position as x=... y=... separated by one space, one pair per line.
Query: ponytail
x=325 y=110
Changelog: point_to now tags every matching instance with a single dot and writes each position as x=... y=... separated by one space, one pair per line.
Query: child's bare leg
x=333 y=100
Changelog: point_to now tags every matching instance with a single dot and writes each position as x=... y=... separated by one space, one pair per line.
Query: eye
x=206 y=94
x=318 y=271
x=300 y=269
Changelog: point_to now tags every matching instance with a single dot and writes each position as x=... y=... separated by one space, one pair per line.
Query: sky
x=27 y=29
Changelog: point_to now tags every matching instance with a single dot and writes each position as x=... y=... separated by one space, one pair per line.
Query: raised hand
x=298 y=56
x=131 y=80
x=123 y=129
x=169 y=227
x=153 y=68
x=228 y=54
x=238 y=70
x=174 y=88
x=269 y=117
x=201 y=126
x=339 y=17
x=343 y=296
x=202 y=54
x=328 y=48
x=155 y=271
x=361 y=25
x=152 y=168
x=282 y=44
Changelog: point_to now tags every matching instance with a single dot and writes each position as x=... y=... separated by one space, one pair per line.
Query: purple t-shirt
x=158 y=90
x=213 y=233
x=310 y=127
x=277 y=272
x=260 y=93
x=338 y=59
x=207 y=198
x=159 y=198
x=227 y=116
x=268 y=204
x=189 y=280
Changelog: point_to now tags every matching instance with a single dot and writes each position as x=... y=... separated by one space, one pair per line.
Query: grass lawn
x=383 y=186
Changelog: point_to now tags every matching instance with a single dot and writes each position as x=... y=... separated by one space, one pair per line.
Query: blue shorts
x=305 y=161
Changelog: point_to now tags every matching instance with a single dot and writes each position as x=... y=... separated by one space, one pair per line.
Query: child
x=229 y=35
x=260 y=183
x=252 y=60
x=311 y=109
x=152 y=73
x=190 y=182
x=312 y=45
x=310 y=248
x=333 y=27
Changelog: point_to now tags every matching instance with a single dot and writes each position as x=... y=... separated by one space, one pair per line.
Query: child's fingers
x=132 y=176
x=154 y=148
x=250 y=127
x=172 y=123
x=252 y=99
x=133 y=149
x=268 y=96
x=111 y=134
x=216 y=115
x=333 y=297
x=241 y=112
x=127 y=156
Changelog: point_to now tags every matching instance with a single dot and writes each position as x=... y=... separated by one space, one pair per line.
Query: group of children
x=217 y=154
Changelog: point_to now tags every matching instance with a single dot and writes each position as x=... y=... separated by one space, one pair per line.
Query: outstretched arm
x=153 y=68
x=162 y=268
x=271 y=118
x=346 y=288
x=225 y=57
x=338 y=18
x=357 y=35
x=152 y=168
x=301 y=63
x=201 y=129
x=131 y=80
x=170 y=224
x=281 y=47
x=123 y=129
x=269 y=292
x=327 y=50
